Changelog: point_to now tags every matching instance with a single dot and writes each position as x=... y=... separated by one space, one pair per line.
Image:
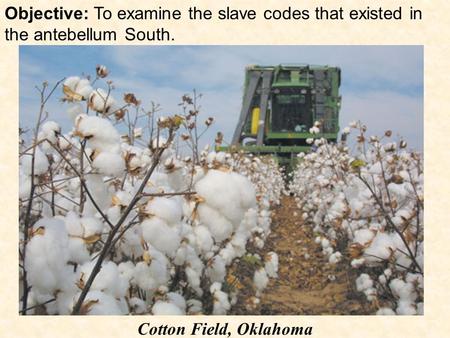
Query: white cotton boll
x=160 y=141
x=180 y=256
x=123 y=305
x=126 y=270
x=193 y=259
x=135 y=163
x=271 y=265
x=327 y=251
x=178 y=300
x=199 y=173
x=177 y=180
x=211 y=157
x=309 y=140
x=64 y=143
x=138 y=306
x=314 y=130
x=79 y=86
x=123 y=198
x=221 y=157
x=158 y=179
x=216 y=270
x=73 y=185
x=405 y=308
x=143 y=278
x=218 y=225
x=381 y=248
x=203 y=238
x=247 y=192
x=159 y=266
x=150 y=277
x=65 y=301
x=353 y=124
x=72 y=82
x=74 y=109
x=41 y=163
x=228 y=254
x=49 y=130
x=385 y=311
x=24 y=185
x=163 y=237
x=259 y=243
x=100 y=100
x=221 y=304
x=78 y=251
x=415 y=279
x=100 y=132
x=239 y=242
x=169 y=209
x=376 y=169
x=193 y=278
x=109 y=164
x=215 y=287
x=187 y=231
x=420 y=308
x=390 y=146
x=363 y=236
x=260 y=280
x=401 y=191
x=331 y=233
x=162 y=289
x=356 y=205
x=346 y=130
x=370 y=293
x=73 y=224
x=364 y=282
x=131 y=243
x=36 y=298
x=325 y=243
x=102 y=304
x=335 y=257
x=318 y=143
x=47 y=256
x=318 y=240
x=107 y=280
x=62 y=205
x=99 y=192
x=92 y=226
x=113 y=214
x=357 y=262
x=403 y=290
x=230 y=194
x=194 y=306
x=401 y=256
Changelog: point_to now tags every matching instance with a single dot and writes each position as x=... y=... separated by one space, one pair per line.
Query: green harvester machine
x=281 y=103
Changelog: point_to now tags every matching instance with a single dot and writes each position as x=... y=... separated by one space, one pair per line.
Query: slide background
x=432 y=32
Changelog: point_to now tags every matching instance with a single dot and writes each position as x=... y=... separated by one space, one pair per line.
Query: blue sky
x=381 y=85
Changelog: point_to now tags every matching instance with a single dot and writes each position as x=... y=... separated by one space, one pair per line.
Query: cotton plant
x=366 y=207
x=115 y=223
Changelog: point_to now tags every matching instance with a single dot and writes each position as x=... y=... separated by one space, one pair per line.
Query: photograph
x=221 y=180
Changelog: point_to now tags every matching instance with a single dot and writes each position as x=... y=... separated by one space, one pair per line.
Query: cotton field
x=366 y=206
x=116 y=217
x=114 y=223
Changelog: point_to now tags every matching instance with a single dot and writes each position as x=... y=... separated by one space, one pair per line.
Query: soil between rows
x=307 y=284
